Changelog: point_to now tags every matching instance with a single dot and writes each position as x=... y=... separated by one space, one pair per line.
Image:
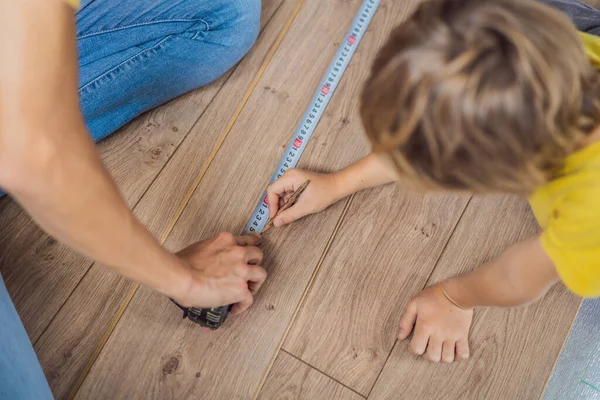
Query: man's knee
x=241 y=24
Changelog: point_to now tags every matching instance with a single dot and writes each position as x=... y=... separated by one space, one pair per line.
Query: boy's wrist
x=457 y=293
x=343 y=185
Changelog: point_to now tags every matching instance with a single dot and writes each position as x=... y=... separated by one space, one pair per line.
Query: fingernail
x=277 y=223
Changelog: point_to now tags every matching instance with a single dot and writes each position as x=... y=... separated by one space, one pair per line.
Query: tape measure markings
x=317 y=106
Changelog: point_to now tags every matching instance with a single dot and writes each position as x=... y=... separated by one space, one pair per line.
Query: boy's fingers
x=418 y=344
x=288 y=216
x=407 y=321
x=448 y=351
x=273 y=199
x=434 y=350
x=462 y=350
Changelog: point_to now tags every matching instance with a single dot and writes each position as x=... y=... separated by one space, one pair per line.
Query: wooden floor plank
x=71 y=337
x=231 y=362
x=39 y=271
x=290 y=378
x=512 y=350
x=382 y=256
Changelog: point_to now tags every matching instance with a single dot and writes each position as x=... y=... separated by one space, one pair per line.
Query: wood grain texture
x=382 y=256
x=512 y=350
x=67 y=343
x=290 y=379
x=176 y=359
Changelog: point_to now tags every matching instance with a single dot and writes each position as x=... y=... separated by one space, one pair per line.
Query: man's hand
x=224 y=270
x=441 y=329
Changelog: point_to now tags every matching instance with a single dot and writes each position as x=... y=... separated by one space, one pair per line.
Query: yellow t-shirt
x=568 y=209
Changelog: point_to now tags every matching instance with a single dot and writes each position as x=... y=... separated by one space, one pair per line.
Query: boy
x=483 y=96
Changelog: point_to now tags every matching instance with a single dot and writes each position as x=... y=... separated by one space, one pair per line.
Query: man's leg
x=21 y=375
x=137 y=54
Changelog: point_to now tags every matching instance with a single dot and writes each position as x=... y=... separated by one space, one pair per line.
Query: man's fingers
x=462 y=349
x=224 y=240
x=242 y=305
x=434 y=349
x=249 y=239
x=256 y=277
x=448 y=350
x=253 y=255
x=407 y=321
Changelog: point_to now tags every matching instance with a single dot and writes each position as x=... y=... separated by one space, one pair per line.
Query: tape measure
x=213 y=318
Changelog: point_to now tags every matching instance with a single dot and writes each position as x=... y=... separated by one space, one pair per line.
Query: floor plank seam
x=323 y=373
x=447 y=242
x=190 y=192
x=87 y=271
x=305 y=293
x=382 y=368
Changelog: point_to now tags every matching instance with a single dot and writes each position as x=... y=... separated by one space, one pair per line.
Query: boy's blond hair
x=482 y=95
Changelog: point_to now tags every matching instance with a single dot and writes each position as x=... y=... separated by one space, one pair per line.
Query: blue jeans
x=133 y=56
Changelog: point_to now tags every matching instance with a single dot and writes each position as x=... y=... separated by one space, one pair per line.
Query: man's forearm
x=521 y=275
x=47 y=159
x=71 y=196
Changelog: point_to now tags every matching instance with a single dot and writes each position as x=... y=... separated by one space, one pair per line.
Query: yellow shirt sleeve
x=572 y=240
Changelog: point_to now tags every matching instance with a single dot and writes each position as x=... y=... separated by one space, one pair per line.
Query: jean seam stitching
x=206 y=26
x=123 y=63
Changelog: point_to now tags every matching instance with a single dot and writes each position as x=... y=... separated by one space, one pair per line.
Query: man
x=73 y=72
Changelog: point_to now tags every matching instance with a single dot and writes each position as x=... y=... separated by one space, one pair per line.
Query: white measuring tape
x=317 y=106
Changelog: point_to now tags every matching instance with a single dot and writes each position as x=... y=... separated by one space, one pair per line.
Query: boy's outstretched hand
x=441 y=329
x=319 y=194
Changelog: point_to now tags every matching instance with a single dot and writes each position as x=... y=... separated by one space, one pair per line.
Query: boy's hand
x=441 y=329
x=320 y=194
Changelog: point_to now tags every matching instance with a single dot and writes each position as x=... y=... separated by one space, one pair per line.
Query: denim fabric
x=137 y=54
x=133 y=55
x=21 y=376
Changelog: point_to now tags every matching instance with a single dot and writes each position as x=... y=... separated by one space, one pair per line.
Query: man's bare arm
x=51 y=167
